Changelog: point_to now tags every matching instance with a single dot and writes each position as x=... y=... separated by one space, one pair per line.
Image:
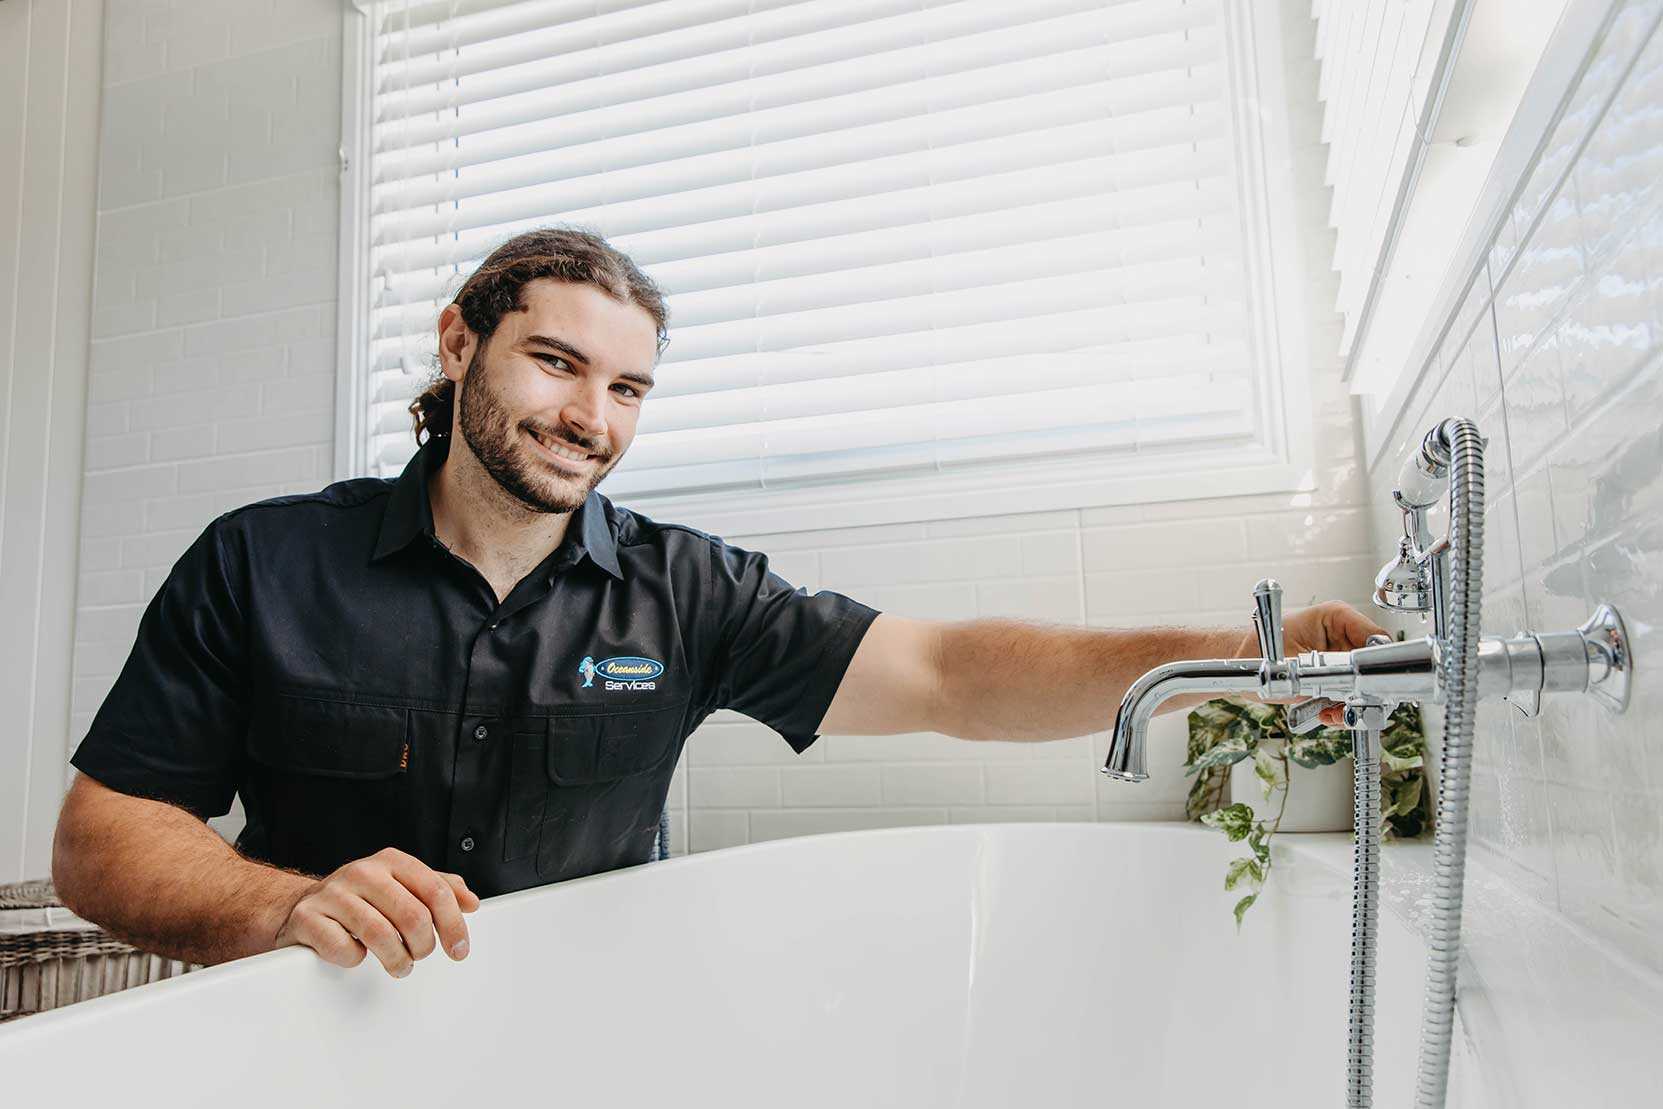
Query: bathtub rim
x=1323 y=848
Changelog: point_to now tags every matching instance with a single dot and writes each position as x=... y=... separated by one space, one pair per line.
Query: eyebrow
x=644 y=380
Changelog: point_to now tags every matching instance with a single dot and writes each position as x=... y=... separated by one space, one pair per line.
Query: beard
x=489 y=429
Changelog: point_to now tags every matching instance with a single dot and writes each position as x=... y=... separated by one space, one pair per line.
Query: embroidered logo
x=621 y=671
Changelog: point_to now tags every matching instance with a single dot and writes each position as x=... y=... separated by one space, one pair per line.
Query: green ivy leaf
x=1404 y=796
x=1223 y=753
x=1197 y=794
x=1235 y=821
x=1244 y=868
x=1242 y=906
x=1267 y=770
x=1209 y=724
x=1204 y=732
x=1259 y=840
x=1304 y=753
x=1309 y=751
x=1400 y=762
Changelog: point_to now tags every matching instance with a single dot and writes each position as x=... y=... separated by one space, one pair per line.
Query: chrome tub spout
x=1210 y=675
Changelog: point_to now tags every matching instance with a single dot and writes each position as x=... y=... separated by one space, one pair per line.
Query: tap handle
x=1267 y=617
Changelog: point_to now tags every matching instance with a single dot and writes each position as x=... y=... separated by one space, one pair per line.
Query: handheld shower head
x=1404 y=584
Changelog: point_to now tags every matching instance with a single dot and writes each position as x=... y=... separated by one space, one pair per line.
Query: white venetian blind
x=1377 y=58
x=897 y=237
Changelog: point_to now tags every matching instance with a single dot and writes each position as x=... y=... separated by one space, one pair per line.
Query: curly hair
x=493 y=290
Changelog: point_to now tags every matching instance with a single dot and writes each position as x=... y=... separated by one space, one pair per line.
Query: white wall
x=212 y=371
x=49 y=63
x=212 y=383
x=1562 y=373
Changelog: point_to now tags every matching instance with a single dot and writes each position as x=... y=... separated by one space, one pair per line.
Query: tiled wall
x=212 y=369
x=212 y=385
x=1561 y=370
x=1179 y=562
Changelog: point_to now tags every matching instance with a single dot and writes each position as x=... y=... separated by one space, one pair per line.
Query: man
x=478 y=678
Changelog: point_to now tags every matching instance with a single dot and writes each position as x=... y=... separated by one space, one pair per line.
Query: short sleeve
x=172 y=725
x=780 y=653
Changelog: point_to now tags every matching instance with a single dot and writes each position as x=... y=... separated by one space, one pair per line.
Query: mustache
x=556 y=437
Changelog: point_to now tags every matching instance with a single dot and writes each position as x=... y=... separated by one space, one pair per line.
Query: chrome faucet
x=1589 y=659
x=1455 y=666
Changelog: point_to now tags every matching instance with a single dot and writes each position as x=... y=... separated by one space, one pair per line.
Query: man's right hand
x=390 y=903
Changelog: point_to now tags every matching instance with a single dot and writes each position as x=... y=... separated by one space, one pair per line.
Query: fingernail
x=460 y=949
x=401 y=972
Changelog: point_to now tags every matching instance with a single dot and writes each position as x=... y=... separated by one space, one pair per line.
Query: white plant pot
x=1319 y=800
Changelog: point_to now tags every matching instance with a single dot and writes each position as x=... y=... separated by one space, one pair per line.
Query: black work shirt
x=360 y=685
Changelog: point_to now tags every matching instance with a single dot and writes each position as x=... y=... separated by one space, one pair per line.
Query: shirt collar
x=409 y=513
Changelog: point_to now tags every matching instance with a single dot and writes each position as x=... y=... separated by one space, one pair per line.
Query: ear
x=456 y=343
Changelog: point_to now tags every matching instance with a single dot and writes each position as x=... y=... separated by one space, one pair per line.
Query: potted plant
x=1227 y=732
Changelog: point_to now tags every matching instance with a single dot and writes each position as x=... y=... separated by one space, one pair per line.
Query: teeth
x=562 y=451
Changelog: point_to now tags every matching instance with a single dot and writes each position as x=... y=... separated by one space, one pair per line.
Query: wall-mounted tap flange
x=1610 y=657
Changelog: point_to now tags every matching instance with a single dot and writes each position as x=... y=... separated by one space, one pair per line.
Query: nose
x=585 y=414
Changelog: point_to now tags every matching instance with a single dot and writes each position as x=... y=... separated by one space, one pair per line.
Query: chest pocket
x=328 y=781
x=586 y=790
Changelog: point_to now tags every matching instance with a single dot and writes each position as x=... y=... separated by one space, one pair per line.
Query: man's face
x=568 y=374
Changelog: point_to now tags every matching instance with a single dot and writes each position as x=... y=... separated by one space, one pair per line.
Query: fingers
x=372 y=929
x=390 y=904
x=465 y=897
x=404 y=911
x=441 y=896
x=1347 y=628
x=1334 y=716
x=309 y=926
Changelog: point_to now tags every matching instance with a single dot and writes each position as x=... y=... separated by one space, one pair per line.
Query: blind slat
x=1120 y=412
x=656 y=129
x=883 y=121
x=728 y=76
x=663 y=228
x=1124 y=314
x=1146 y=342
x=695 y=34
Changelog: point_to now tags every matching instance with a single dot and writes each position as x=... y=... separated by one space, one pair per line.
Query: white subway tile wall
x=1563 y=375
x=212 y=366
x=212 y=386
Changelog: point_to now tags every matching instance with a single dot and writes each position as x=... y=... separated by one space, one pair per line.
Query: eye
x=550 y=358
x=632 y=390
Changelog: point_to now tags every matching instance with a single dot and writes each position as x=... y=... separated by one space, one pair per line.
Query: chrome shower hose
x=1460 y=664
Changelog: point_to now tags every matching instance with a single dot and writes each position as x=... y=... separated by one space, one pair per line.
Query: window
x=922 y=260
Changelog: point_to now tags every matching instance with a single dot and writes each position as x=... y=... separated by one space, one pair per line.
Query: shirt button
x=481 y=732
x=467 y=843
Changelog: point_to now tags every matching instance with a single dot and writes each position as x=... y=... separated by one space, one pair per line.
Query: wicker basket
x=51 y=957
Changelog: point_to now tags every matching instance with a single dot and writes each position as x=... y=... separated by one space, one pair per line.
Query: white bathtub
x=973 y=965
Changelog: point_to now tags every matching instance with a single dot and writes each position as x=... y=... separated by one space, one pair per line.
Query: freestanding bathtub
x=971 y=965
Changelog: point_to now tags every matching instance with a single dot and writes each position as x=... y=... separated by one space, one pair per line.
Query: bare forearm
x=1014 y=679
x=160 y=879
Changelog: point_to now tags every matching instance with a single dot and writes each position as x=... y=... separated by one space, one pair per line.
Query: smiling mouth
x=561 y=453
